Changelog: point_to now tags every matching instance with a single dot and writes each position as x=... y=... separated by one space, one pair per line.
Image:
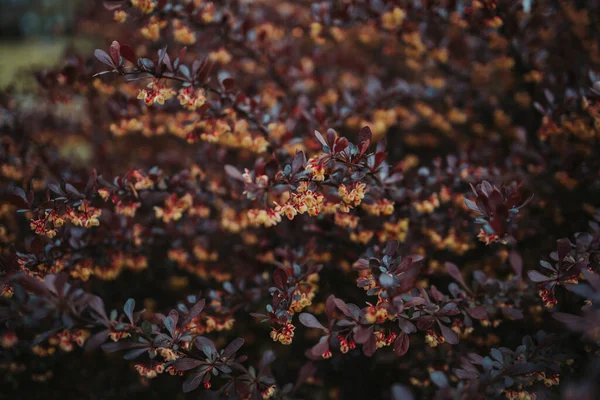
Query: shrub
x=334 y=199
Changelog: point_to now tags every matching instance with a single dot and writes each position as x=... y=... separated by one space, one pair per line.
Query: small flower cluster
x=238 y=137
x=66 y=339
x=284 y=335
x=145 y=6
x=183 y=34
x=191 y=99
x=156 y=92
x=150 y=372
x=302 y=201
x=8 y=340
x=84 y=215
x=174 y=208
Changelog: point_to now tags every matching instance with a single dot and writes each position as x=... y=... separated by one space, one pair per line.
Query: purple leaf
x=232 y=347
x=401 y=392
x=448 y=334
x=206 y=345
x=117 y=346
x=21 y=193
x=465 y=375
x=320 y=138
x=454 y=272
x=472 y=205
x=96 y=340
x=267 y=358
x=516 y=261
x=564 y=247
x=343 y=307
x=401 y=344
x=192 y=382
x=370 y=347
x=320 y=348
x=439 y=379
x=298 y=162
x=97 y=305
x=234 y=173
x=538 y=277
x=113 y=5
x=364 y=134
x=574 y=322
x=478 y=312
x=187 y=363
x=330 y=305
x=406 y=326
x=512 y=313
x=135 y=353
x=104 y=58
x=362 y=334
x=170 y=325
x=307 y=371
x=310 y=321
x=194 y=312
x=128 y=309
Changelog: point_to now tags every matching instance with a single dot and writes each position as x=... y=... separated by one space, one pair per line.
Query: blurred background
x=34 y=35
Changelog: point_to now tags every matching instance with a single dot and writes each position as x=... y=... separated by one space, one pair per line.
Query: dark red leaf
x=379 y=157
x=280 y=278
x=128 y=54
x=182 y=53
x=564 y=247
x=228 y=84
x=115 y=52
x=340 y=145
x=364 y=135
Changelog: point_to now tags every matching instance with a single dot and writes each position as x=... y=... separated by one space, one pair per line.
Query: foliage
x=333 y=199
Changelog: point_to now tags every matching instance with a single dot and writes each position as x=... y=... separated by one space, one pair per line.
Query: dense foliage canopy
x=302 y=199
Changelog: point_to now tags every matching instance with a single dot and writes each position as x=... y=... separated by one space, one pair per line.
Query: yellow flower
x=120 y=16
